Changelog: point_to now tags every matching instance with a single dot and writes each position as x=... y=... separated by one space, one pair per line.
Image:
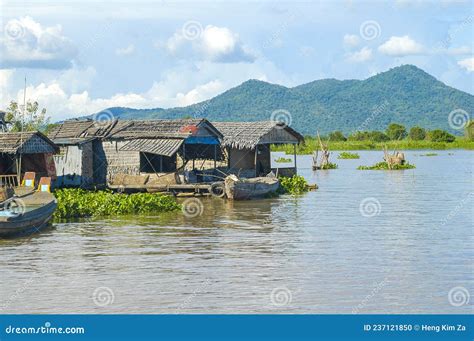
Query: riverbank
x=311 y=144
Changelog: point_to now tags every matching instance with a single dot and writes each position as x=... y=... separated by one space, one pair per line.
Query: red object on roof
x=188 y=129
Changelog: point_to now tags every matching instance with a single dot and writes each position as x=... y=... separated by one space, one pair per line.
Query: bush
x=396 y=131
x=384 y=166
x=347 y=155
x=439 y=135
x=376 y=136
x=79 y=203
x=294 y=185
x=417 y=134
x=337 y=136
x=469 y=131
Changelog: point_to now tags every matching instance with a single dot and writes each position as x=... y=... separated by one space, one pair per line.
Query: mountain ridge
x=404 y=94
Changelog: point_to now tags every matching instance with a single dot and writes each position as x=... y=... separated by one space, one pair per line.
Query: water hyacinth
x=294 y=185
x=79 y=203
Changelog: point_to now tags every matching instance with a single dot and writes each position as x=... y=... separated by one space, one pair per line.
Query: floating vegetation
x=384 y=166
x=283 y=160
x=348 y=155
x=79 y=203
x=294 y=185
x=429 y=154
x=329 y=165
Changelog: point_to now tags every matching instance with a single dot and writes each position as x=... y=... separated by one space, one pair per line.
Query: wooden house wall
x=74 y=165
x=117 y=161
x=36 y=144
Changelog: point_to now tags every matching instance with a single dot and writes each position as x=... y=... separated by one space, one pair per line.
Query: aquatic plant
x=348 y=155
x=293 y=185
x=283 y=159
x=384 y=166
x=78 y=203
x=429 y=154
x=329 y=165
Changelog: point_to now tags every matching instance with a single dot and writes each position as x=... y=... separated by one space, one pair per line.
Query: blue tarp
x=201 y=140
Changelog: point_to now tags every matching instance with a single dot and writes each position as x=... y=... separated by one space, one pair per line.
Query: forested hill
x=405 y=94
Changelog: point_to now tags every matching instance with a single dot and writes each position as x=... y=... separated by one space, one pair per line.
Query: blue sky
x=80 y=57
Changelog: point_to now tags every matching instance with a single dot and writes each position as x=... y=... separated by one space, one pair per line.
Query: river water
x=364 y=242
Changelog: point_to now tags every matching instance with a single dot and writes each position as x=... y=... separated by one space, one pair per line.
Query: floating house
x=23 y=152
x=97 y=152
x=247 y=145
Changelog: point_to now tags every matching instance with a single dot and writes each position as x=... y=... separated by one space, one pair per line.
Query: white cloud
x=216 y=44
x=467 y=64
x=125 y=51
x=401 y=46
x=363 y=55
x=351 y=40
x=26 y=43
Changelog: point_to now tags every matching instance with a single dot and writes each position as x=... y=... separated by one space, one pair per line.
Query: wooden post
x=215 y=156
x=294 y=155
x=255 y=160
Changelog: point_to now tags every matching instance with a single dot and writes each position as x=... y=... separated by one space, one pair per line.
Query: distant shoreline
x=311 y=145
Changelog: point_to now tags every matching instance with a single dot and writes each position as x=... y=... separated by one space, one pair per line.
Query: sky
x=81 y=57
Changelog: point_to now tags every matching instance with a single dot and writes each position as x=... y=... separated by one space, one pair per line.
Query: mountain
x=405 y=94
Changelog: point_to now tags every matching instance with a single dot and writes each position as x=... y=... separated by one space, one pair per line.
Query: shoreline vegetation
x=395 y=137
x=348 y=155
x=311 y=144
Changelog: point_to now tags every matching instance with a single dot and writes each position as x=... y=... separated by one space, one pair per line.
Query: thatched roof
x=247 y=135
x=82 y=129
x=131 y=129
x=32 y=142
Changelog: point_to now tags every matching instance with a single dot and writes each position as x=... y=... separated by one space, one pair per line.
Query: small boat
x=242 y=189
x=28 y=211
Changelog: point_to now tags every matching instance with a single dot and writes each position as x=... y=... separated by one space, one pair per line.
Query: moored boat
x=27 y=212
x=243 y=189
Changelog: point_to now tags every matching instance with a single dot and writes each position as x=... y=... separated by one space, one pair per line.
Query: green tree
x=378 y=136
x=26 y=119
x=439 y=135
x=417 y=133
x=337 y=136
x=469 y=131
x=396 y=131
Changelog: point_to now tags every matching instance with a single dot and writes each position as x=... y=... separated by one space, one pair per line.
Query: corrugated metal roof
x=166 y=147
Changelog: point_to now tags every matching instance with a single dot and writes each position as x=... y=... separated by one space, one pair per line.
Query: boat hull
x=250 y=188
x=30 y=221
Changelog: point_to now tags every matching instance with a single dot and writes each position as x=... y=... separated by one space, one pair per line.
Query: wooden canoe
x=26 y=214
x=243 y=189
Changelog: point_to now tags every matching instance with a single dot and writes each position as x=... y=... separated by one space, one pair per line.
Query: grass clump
x=79 y=203
x=329 y=165
x=283 y=160
x=384 y=166
x=293 y=185
x=348 y=155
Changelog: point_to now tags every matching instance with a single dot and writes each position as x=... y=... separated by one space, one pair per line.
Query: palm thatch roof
x=82 y=129
x=247 y=135
x=32 y=142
